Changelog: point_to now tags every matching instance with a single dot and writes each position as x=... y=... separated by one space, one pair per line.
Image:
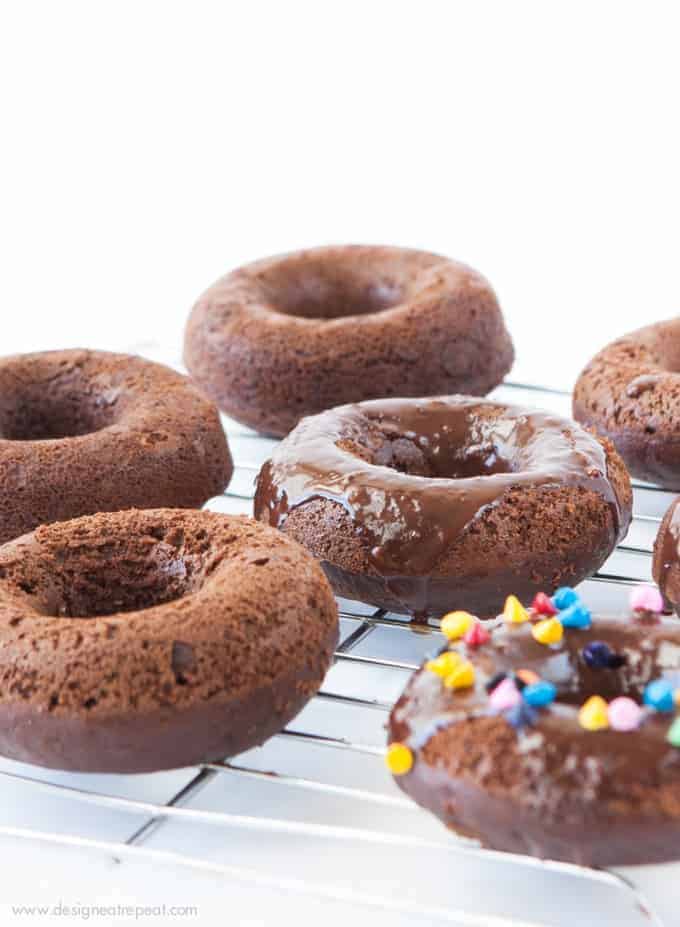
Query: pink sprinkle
x=646 y=599
x=476 y=635
x=504 y=696
x=624 y=714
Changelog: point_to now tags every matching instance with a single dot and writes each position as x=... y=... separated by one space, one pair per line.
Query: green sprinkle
x=673 y=735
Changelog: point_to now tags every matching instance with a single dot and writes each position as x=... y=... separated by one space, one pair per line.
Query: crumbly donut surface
x=292 y=335
x=88 y=431
x=630 y=393
x=142 y=640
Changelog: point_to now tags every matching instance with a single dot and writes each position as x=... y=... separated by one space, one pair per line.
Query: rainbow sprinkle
x=659 y=695
x=455 y=624
x=594 y=714
x=514 y=612
x=548 y=631
x=399 y=759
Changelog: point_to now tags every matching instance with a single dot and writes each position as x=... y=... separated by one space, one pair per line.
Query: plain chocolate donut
x=630 y=392
x=413 y=504
x=292 y=335
x=88 y=431
x=543 y=784
x=142 y=640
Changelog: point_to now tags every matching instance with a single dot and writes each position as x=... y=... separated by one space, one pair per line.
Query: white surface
x=149 y=147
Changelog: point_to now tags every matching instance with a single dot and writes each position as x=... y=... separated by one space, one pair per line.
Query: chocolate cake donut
x=88 y=431
x=630 y=392
x=292 y=335
x=666 y=561
x=412 y=504
x=143 y=640
x=554 y=734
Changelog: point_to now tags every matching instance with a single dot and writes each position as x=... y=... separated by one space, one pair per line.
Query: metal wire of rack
x=330 y=760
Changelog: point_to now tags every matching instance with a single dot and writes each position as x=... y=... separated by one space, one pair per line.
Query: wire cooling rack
x=313 y=816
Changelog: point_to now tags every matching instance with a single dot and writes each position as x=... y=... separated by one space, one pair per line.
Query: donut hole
x=326 y=289
x=608 y=683
x=637 y=669
x=476 y=461
x=636 y=651
x=114 y=576
x=110 y=589
x=320 y=299
x=418 y=457
x=444 y=445
x=47 y=412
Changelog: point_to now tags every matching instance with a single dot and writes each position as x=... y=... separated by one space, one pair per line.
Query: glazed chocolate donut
x=666 y=561
x=413 y=504
x=143 y=640
x=292 y=335
x=88 y=431
x=630 y=392
x=568 y=750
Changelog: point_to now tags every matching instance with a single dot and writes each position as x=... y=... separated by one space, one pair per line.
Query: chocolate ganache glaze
x=412 y=504
x=666 y=563
x=544 y=784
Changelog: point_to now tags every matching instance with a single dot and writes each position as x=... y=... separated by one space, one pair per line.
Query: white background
x=146 y=148
x=149 y=147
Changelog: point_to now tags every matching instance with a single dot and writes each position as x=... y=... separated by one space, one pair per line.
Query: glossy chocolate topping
x=551 y=788
x=666 y=563
x=413 y=474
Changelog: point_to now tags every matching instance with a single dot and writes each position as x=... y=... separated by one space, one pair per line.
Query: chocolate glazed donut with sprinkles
x=551 y=732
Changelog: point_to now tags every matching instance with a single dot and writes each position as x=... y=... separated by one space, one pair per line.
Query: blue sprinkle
x=521 y=715
x=564 y=597
x=575 y=616
x=597 y=655
x=539 y=694
x=659 y=695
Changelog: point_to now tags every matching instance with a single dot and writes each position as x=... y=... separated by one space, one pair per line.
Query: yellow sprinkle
x=455 y=624
x=549 y=631
x=528 y=676
x=593 y=714
x=514 y=612
x=399 y=759
x=445 y=663
x=461 y=678
x=676 y=696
